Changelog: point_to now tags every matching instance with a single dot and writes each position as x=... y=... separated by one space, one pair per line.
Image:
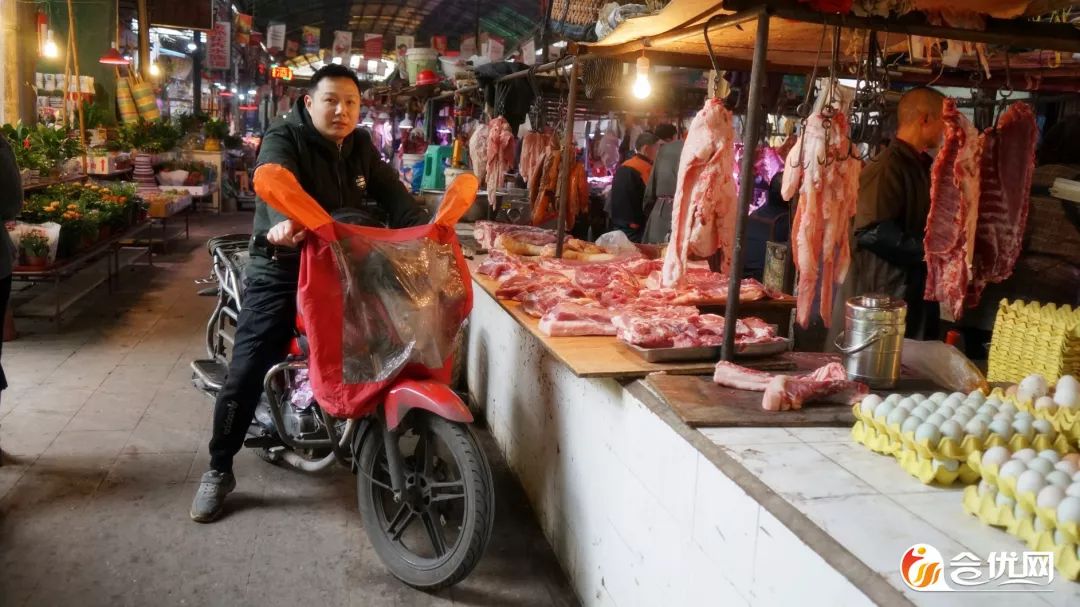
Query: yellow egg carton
x=931 y=471
x=867 y=434
x=1065 y=421
x=985 y=508
x=1033 y=338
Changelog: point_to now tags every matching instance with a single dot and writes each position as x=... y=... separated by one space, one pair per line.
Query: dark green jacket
x=11 y=199
x=336 y=178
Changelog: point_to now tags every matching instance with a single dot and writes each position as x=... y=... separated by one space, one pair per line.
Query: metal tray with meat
x=751 y=350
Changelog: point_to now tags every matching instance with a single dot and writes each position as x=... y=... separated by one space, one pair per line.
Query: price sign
x=282 y=72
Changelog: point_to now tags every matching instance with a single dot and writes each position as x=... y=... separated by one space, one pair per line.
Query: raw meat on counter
x=822 y=169
x=828 y=383
x=954 y=207
x=576 y=319
x=478 y=151
x=486 y=232
x=703 y=212
x=1008 y=163
x=533 y=146
x=683 y=327
x=501 y=152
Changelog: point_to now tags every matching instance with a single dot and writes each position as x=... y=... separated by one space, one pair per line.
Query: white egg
x=907 y=403
x=869 y=403
x=1004 y=500
x=1058 y=478
x=1000 y=416
x=1061 y=539
x=1035 y=385
x=994 y=402
x=977 y=395
x=1067 y=466
x=1002 y=428
x=919 y=414
x=1044 y=427
x=1073 y=490
x=1045 y=403
x=946 y=412
x=1050 y=496
x=938 y=397
x=1020 y=512
x=986 y=410
x=1076 y=477
x=1067 y=382
x=1012 y=469
x=952 y=429
x=967 y=410
x=893 y=398
x=977 y=429
x=1026 y=455
x=995 y=456
x=1030 y=481
x=929 y=432
x=1040 y=525
x=985 y=419
x=949 y=464
x=1023 y=427
x=1025 y=415
x=1040 y=465
x=883 y=410
x=1067 y=392
x=1051 y=455
x=936 y=419
x=917 y=397
x=1068 y=511
x=910 y=424
x=896 y=416
x=1007 y=408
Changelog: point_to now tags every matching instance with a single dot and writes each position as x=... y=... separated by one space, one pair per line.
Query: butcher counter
x=643 y=508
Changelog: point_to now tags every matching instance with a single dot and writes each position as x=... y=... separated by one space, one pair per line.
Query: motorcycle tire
x=474 y=472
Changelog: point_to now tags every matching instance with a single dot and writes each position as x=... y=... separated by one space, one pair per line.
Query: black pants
x=5 y=293
x=263 y=330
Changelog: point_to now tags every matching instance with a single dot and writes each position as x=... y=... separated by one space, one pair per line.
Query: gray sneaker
x=210 y=498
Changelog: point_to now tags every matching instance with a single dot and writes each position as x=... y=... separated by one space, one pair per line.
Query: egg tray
x=1064 y=421
x=1007 y=486
x=985 y=508
x=948 y=448
x=927 y=470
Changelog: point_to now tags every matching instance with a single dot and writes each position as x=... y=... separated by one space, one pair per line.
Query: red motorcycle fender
x=431 y=396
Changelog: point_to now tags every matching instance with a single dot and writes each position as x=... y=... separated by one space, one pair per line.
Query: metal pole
x=196 y=74
x=567 y=162
x=144 y=39
x=746 y=181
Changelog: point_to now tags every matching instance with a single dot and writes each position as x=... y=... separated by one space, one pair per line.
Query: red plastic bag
x=377 y=305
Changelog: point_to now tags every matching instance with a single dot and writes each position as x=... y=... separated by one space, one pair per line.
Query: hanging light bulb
x=191 y=46
x=642 y=87
x=373 y=66
x=405 y=125
x=155 y=71
x=49 y=49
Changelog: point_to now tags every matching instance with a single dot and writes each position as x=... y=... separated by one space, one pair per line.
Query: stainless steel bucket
x=873 y=338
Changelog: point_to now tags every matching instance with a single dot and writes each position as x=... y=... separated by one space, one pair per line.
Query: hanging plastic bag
x=618 y=244
x=942 y=364
x=377 y=304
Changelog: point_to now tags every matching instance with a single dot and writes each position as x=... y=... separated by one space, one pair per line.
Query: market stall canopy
x=677 y=35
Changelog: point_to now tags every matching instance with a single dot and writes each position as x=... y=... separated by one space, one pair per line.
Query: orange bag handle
x=458 y=198
x=279 y=188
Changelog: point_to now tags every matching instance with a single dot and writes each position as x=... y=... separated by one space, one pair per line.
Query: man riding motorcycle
x=319 y=145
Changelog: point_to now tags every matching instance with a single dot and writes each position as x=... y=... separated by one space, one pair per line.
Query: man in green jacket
x=334 y=162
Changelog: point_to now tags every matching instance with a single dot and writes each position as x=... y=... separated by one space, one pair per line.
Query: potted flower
x=35 y=248
x=215 y=131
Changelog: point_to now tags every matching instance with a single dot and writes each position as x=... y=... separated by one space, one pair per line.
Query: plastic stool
x=434 y=164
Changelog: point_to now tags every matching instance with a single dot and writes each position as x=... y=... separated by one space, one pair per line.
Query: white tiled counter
x=643 y=510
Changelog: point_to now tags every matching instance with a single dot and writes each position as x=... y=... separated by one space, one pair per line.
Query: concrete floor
x=104 y=440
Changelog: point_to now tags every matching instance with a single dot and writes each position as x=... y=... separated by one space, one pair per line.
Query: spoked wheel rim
x=426 y=527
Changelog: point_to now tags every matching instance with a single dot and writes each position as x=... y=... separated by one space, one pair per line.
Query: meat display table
x=641 y=508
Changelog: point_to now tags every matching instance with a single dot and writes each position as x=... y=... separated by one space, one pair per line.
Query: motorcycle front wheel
x=435 y=535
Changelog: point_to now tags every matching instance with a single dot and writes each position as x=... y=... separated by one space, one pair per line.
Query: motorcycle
x=424 y=485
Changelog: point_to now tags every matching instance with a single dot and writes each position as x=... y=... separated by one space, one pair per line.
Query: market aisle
x=104 y=441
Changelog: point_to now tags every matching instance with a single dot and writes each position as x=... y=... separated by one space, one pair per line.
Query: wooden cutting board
x=701 y=403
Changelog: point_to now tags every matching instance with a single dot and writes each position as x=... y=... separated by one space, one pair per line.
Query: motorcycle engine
x=299 y=421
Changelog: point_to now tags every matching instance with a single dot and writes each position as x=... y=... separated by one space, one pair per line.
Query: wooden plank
x=594 y=356
x=701 y=403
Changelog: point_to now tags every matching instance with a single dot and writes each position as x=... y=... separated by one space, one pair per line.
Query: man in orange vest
x=626 y=203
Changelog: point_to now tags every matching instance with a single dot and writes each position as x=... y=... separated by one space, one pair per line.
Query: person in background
x=626 y=203
x=891 y=213
x=770 y=222
x=660 y=189
x=11 y=199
